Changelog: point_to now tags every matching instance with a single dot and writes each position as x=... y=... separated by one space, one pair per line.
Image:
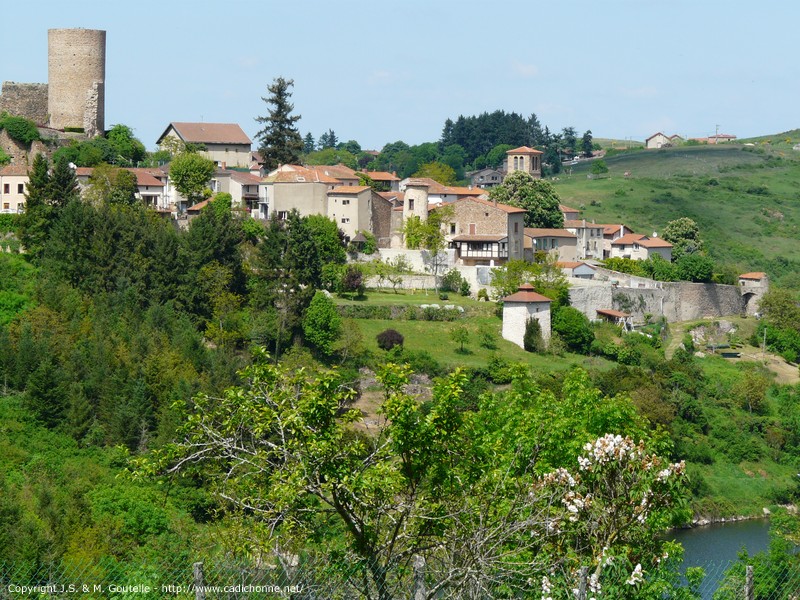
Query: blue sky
x=383 y=71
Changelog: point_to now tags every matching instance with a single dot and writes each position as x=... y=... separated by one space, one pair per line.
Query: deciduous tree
x=191 y=174
x=536 y=196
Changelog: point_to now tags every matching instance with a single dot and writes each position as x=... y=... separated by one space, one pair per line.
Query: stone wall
x=679 y=301
x=27 y=100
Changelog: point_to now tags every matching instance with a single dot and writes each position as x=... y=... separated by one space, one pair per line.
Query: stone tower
x=415 y=201
x=76 y=62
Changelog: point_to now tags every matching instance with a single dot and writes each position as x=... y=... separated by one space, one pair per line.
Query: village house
x=570 y=214
x=13 y=183
x=640 y=247
x=521 y=306
x=356 y=208
x=243 y=188
x=150 y=185
x=559 y=242
x=577 y=269
x=486 y=233
x=439 y=194
x=389 y=181
x=292 y=187
x=224 y=143
x=611 y=233
x=589 y=238
x=485 y=178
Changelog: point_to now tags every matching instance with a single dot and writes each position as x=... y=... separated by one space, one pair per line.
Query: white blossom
x=637 y=576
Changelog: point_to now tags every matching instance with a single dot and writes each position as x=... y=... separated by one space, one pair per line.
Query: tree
x=536 y=196
x=460 y=335
x=322 y=324
x=309 y=145
x=437 y=171
x=695 y=267
x=599 y=167
x=280 y=142
x=35 y=221
x=389 y=338
x=569 y=138
x=532 y=340
x=684 y=235
x=780 y=309
x=63 y=184
x=191 y=173
x=587 y=144
x=128 y=149
x=573 y=327
x=112 y=185
x=327 y=140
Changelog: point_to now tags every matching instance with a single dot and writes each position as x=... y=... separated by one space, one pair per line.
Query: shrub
x=487 y=337
x=20 y=129
x=483 y=294
x=498 y=370
x=389 y=338
x=532 y=340
x=574 y=329
x=451 y=282
x=464 y=290
x=353 y=280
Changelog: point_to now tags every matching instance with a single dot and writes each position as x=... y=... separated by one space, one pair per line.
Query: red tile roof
x=757 y=276
x=14 y=170
x=347 y=190
x=245 y=178
x=568 y=264
x=524 y=150
x=526 y=294
x=567 y=209
x=382 y=176
x=298 y=174
x=339 y=171
x=208 y=133
x=642 y=240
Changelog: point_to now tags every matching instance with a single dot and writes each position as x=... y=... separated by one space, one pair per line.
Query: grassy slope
x=745 y=199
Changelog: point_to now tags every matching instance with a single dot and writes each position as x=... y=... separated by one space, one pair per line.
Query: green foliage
x=574 y=329
x=532 y=340
x=695 y=267
x=599 y=167
x=460 y=335
x=322 y=325
x=19 y=129
x=684 y=235
x=536 y=196
x=190 y=173
x=438 y=171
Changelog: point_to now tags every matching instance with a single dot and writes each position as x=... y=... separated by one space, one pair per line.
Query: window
x=6 y=188
x=410 y=204
x=345 y=220
x=516 y=163
x=636 y=246
x=452 y=228
x=20 y=188
x=6 y=205
x=283 y=215
x=516 y=227
x=345 y=202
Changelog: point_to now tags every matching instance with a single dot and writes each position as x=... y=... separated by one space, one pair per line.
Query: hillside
x=744 y=198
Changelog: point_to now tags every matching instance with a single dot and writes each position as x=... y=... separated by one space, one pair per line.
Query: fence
x=298 y=578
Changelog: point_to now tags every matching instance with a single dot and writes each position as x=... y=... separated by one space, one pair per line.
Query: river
x=714 y=547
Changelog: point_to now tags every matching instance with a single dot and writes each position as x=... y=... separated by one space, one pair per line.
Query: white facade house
x=589 y=238
x=521 y=306
x=640 y=247
x=13 y=183
x=224 y=143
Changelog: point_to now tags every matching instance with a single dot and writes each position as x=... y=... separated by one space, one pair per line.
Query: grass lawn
x=434 y=337
x=415 y=298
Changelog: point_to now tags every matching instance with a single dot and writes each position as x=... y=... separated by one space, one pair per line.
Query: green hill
x=745 y=198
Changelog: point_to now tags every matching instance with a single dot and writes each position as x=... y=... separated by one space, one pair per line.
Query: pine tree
x=280 y=141
x=309 y=145
x=63 y=184
x=35 y=222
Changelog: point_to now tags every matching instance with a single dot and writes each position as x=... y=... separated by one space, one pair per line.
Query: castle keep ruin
x=74 y=97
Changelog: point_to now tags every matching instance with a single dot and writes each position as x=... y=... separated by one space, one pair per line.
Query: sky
x=382 y=71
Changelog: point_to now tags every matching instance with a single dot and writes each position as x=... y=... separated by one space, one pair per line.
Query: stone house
x=570 y=214
x=13 y=183
x=560 y=242
x=657 y=140
x=640 y=247
x=485 y=233
x=518 y=308
x=225 y=143
x=589 y=238
x=292 y=187
x=485 y=178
